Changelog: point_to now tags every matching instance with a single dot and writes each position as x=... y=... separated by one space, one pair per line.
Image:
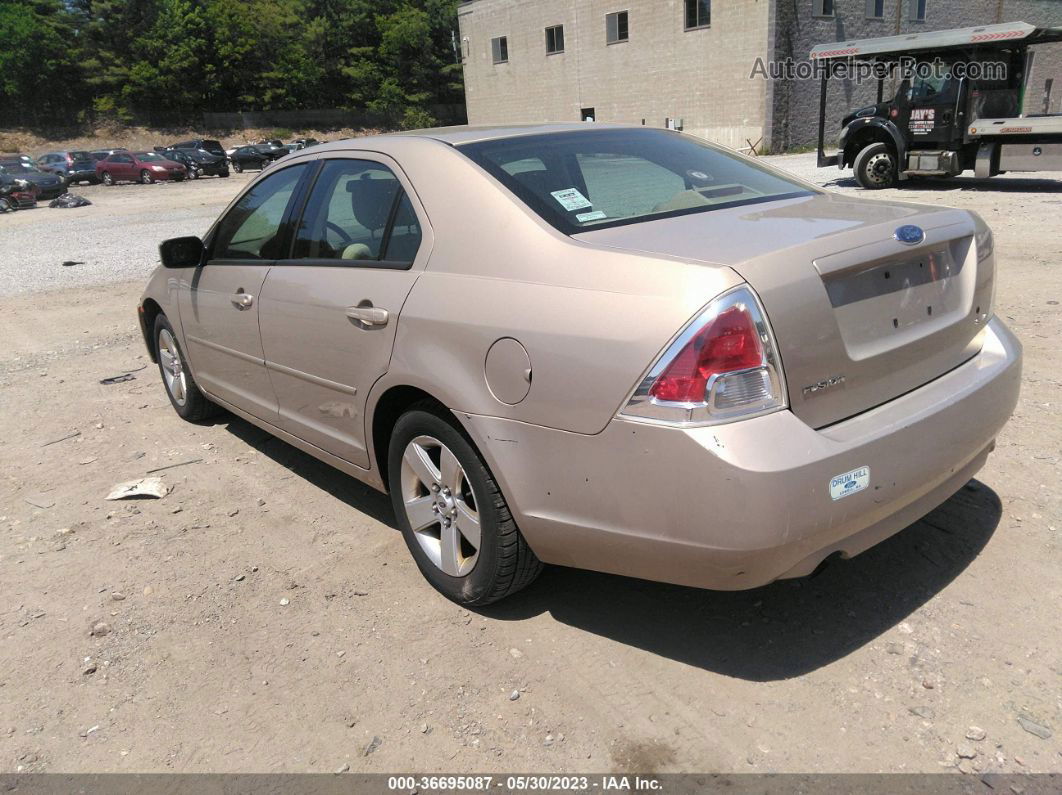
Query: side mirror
x=181 y=252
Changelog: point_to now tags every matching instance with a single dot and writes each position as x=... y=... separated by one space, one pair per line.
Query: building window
x=499 y=49
x=918 y=10
x=616 y=27
x=875 y=9
x=698 y=14
x=554 y=39
x=823 y=8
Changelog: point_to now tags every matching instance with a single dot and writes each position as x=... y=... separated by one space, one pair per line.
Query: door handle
x=243 y=300
x=368 y=315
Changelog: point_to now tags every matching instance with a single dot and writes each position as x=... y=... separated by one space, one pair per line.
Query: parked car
x=208 y=145
x=48 y=185
x=16 y=193
x=13 y=156
x=73 y=166
x=305 y=143
x=624 y=349
x=250 y=156
x=146 y=167
x=100 y=154
x=198 y=164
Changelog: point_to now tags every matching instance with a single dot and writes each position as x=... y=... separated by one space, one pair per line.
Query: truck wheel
x=875 y=167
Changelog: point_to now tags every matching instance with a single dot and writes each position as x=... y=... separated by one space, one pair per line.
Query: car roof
x=467 y=133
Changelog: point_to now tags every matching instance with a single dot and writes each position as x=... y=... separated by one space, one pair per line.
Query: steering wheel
x=345 y=238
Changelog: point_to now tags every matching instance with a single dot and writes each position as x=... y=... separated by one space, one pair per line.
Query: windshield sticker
x=596 y=215
x=571 y=199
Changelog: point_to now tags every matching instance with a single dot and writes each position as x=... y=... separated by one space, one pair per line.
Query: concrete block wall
x=663 y=71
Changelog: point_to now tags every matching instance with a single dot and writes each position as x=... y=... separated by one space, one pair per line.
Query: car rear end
x=80 y=167
x=852 y=379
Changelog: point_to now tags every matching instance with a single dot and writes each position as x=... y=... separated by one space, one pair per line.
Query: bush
x=282 y=133
x=416 y=118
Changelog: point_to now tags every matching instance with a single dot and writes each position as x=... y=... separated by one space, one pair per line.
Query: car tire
x=184 y=394
x=237 y=166
x=462 y=500
x=146 y=178
x=193 y=174
x=223 y=173
x=107 y=179
x=875 y=167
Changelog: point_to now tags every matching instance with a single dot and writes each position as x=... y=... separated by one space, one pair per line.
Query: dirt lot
x=265 y=615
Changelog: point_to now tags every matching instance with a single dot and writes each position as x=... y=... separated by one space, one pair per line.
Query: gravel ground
x=114 y=240
x=265 y=615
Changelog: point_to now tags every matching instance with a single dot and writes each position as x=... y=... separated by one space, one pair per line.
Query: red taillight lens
x=722 y=367
x=727 y=343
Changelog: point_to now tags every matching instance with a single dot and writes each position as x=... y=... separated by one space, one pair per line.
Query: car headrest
x=371 y=200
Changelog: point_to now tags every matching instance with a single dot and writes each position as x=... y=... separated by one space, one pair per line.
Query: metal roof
x=983 y=36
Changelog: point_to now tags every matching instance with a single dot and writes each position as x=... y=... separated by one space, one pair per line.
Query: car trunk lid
x=859 y=317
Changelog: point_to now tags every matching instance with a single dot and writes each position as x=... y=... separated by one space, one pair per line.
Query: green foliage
x=116 y=59
x=38 y=74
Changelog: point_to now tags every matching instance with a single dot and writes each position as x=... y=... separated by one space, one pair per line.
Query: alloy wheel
x=440 y=506
x=172 y=368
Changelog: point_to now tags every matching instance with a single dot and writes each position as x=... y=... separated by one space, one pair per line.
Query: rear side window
x=592 y=179
x=359 y=214
x=252 y=228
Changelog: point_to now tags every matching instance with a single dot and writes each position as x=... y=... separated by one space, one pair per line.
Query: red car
x=146 y=167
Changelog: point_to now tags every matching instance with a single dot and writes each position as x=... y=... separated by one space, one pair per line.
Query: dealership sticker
x=571 y=199
x=596 y=215
x=849 y=483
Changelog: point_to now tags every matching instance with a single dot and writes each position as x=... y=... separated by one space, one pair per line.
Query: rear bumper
x=736 y=506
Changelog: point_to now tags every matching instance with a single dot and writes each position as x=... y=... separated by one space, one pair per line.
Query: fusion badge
x=849 y=483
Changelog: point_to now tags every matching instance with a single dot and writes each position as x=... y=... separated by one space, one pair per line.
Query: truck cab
x=957 y=106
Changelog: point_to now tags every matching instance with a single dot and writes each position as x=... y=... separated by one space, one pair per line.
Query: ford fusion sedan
x=606 y=347
x=145 y=167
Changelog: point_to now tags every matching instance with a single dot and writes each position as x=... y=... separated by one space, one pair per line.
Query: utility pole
x=999 y=11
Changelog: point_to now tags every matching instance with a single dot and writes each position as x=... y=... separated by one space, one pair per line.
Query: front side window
x=359 y=213
x=555 y=39
x=616 y=27
x=585 y=180
x=499 y=48
x=698 y=14
x=252 y=228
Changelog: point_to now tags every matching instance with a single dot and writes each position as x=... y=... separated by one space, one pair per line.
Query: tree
x=38 y=75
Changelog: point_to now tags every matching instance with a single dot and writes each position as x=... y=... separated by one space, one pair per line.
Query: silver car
x=608 y=347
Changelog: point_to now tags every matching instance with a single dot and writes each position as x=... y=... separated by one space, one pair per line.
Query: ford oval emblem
x=910 y=235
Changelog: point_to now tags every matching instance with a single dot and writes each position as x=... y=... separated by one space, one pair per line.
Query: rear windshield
x=600 y=178
x=80 y=156
x=210 y=146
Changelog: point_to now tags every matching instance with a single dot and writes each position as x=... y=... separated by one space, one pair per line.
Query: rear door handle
x=368 y=315
x=243 y=300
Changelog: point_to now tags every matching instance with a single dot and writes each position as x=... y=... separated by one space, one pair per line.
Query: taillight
x=722 y=367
